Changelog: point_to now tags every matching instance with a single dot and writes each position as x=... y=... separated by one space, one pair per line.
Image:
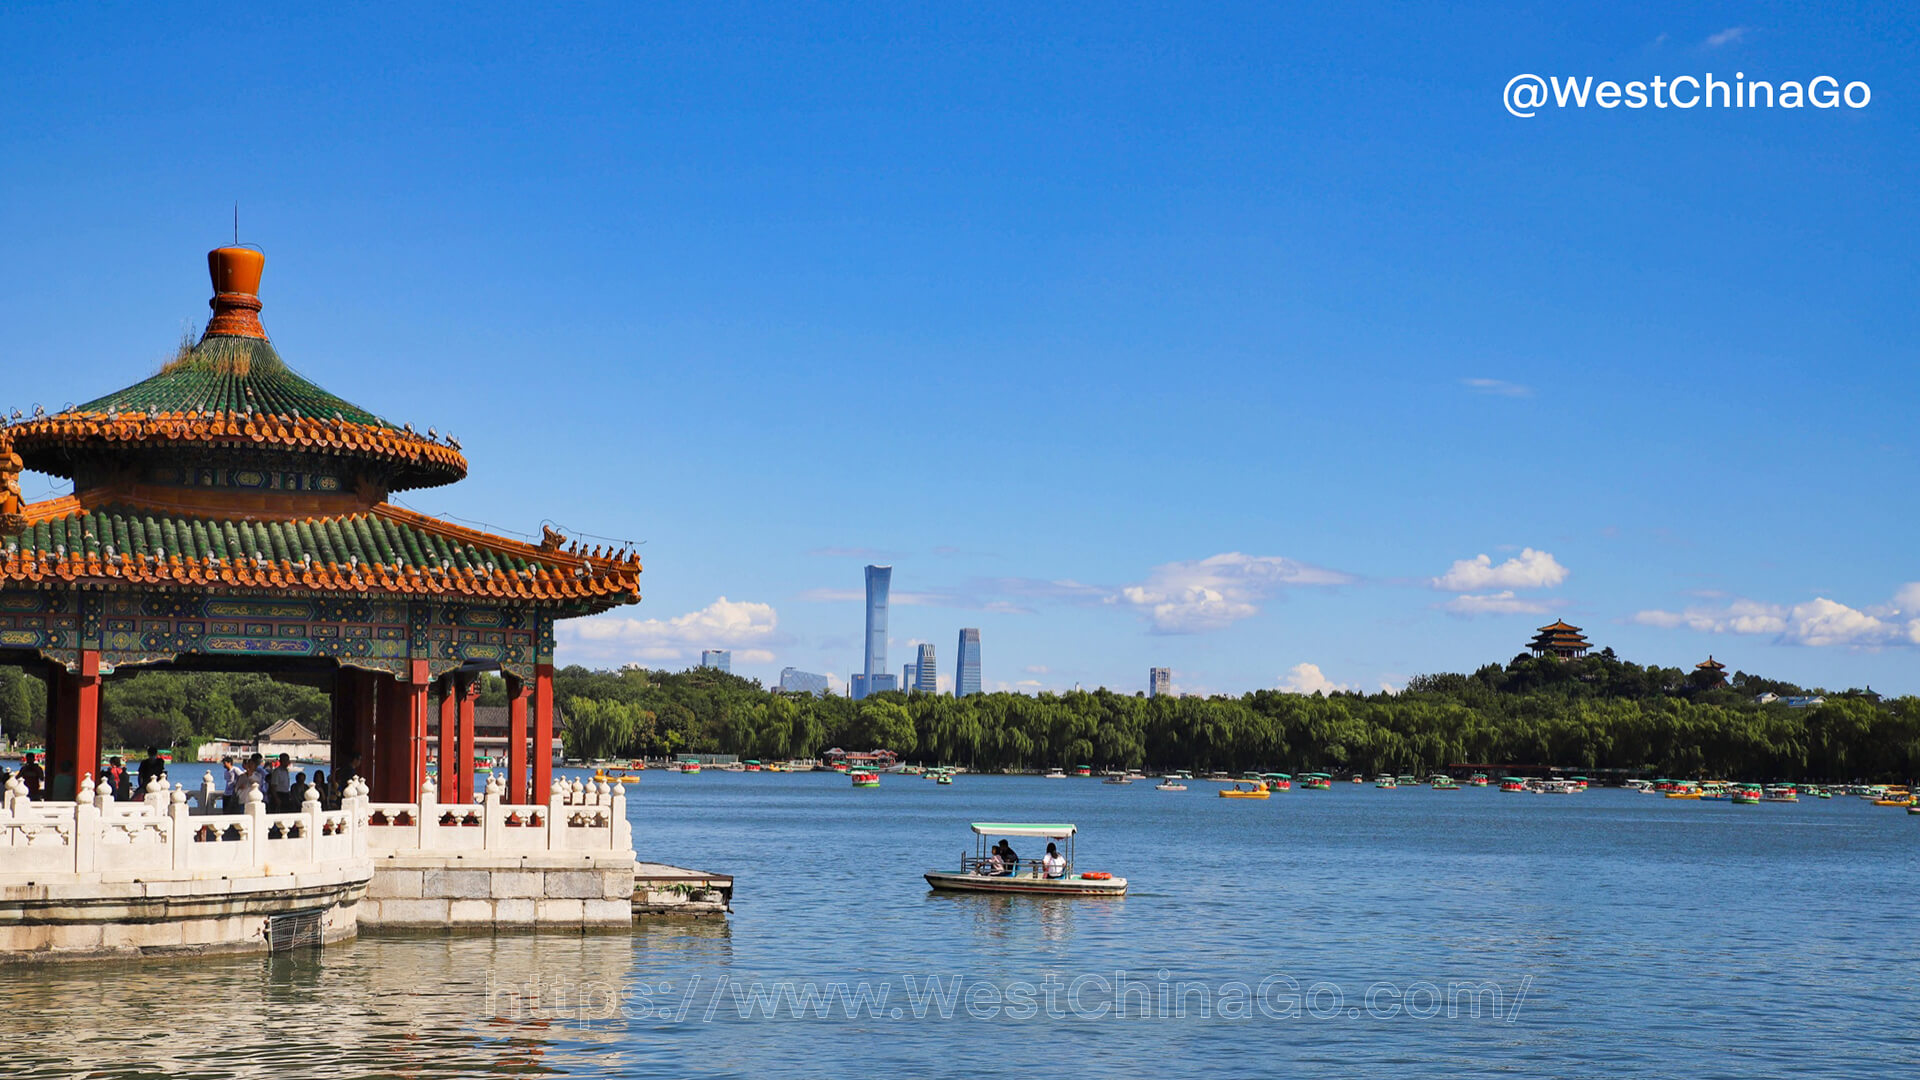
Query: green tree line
x=1595 y=713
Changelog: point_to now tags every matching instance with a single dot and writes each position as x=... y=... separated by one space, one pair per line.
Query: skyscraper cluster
x=922 y=673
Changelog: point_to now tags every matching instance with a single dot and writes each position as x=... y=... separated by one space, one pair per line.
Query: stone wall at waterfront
x=417 y=891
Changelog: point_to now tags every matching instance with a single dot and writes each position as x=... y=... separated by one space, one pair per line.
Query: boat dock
x=659 y=889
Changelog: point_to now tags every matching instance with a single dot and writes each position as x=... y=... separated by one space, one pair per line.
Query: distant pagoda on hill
x=1709 y=673
x=1560 y=640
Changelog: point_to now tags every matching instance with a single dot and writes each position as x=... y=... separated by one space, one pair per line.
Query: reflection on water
x=1649 y=938
x=379 y=1006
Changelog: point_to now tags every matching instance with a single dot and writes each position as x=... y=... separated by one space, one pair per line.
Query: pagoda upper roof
x=232 y=391
x=1560 y=626
x=227 y=374
x=1710 y=664
x=385 y=549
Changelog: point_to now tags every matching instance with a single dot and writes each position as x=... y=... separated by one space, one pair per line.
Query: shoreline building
x=795 y=681
x=966 y=663
x=926 y=671
x=717 y=658
x=873 y=677
x=1560 y=640
x=1159 y=682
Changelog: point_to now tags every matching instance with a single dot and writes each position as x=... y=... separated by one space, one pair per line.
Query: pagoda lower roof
x=46 y=443
x=384 y=549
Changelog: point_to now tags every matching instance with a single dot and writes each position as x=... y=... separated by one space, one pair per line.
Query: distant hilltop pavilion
x=1561 y=641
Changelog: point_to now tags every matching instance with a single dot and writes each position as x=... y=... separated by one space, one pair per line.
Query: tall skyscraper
x=1159 y=682
x=793 y=680
x=926 y=671
x=966 y=664
x=717 y=658
x=879 y=582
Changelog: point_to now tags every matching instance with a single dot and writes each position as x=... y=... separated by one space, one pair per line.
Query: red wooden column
x=416 y=703
x=542 y=732
x=79 y=723
x=468 y=691
x=516 y=740
x=449 y=751
x=391 y=747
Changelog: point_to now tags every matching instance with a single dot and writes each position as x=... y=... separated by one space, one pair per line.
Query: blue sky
x=1226 y=340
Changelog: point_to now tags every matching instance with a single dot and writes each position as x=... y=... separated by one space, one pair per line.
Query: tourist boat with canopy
x=976 y=873
x=1278 y=781
x=865 y=778
x=1316 y=781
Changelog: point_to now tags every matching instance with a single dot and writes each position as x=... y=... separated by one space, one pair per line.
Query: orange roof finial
x=236 y=292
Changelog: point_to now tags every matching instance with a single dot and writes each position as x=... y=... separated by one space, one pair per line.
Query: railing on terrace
x=578 y=817
x=159 y=834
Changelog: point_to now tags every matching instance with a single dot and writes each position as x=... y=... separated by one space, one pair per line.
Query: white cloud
x=1732 y=35
x=1738 y=617
x=1816 y=622
x=1528 y=570
x=1826 y=622
x=1308 y=679
x=743 y=626
x=1038 y=669
x=1191 y=597
x=1497 y=387
x=1500 y=603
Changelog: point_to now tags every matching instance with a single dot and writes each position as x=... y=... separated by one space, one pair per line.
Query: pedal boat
x=1027 y=877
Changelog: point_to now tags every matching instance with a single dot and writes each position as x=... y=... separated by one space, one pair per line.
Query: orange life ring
x=1097 y=875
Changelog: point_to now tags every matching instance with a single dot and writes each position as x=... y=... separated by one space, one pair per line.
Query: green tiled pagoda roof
x=232 y=374
x=383 y=549
x=368 y=538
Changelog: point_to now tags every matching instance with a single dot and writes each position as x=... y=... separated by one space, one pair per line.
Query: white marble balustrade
x=161 y=834
x=577 y=817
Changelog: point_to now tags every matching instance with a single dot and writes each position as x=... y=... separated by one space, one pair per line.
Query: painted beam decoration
x=134 y=629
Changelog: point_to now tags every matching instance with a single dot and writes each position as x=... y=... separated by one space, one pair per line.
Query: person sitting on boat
x=991 y=866
x=1052 y=864
x=1008 y=856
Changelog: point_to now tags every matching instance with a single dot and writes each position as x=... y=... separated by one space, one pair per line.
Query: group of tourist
x=282 y=787
x=124 y=784
x=1003 y=861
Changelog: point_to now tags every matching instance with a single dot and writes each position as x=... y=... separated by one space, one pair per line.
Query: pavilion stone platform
x=159 y=875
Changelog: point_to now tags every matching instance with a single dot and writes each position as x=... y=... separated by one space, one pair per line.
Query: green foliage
x=1596 y=713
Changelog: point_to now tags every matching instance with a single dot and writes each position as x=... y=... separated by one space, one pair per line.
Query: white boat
x=1169 y=784
x=1117 y=778
x=1055 y=774
x=977 y=873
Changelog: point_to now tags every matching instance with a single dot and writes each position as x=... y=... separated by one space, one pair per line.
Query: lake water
x=1354 y=931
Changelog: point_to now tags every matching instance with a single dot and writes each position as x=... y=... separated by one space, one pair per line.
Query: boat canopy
x=1003 y=828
